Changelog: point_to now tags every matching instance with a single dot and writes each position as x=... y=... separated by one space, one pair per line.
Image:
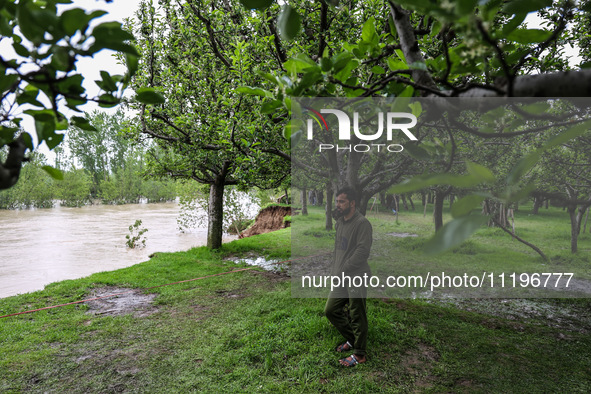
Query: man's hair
x=349 y=192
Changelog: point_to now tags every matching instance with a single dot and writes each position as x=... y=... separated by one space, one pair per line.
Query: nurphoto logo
x=395 y=122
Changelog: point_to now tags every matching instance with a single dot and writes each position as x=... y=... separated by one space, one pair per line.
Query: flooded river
x=38 y=247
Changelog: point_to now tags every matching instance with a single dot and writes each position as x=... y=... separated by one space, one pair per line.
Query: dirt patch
x=128 y=301
x=268 y=219
x=419 y=363
x=272 y=277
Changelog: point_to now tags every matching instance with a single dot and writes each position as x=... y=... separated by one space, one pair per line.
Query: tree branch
x=212 y=39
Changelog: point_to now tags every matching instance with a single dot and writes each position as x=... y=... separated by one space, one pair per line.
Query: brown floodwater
x=41 y=246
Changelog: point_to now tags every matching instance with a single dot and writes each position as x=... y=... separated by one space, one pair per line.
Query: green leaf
x=325 y=64
x=340 y=60
x=525 y=6
x=61 y=58
x=27 y=22
x=20 y=50
x=300 y=63
x=27 y=140
x=149 y=96
x=268 y=76
x=465 y=7
x=5 y=28
x=465 y=205
x=530 y=160
x=479 y=171
x=253 y=91
x=54 y=172
x=417 y=152
x=368 y=33
x=523 y=166
x=108 y=83
x=7 y=81
x=52 y=140
x=256 y=4
x=528 y=36
x=422 y=181
x=289 y=22
x=110 y=35
x=573 y=132
x=536 y=108
x=82 y=123
x=270 y=106
x=107 y=100
x=308 y=79
x=132 y=62
x=7 y=134
x=74 y=20
x=454 y=232
x=513 y=23
x=396 y=64
x=378 y=70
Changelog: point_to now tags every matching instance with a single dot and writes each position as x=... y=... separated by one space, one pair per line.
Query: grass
x=243 y=332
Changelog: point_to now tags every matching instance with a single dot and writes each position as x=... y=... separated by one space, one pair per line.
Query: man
x=352 y=245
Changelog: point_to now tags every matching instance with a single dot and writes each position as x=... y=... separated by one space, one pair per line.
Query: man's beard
x=336 y=213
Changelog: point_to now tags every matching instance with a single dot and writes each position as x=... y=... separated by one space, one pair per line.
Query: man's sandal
x=350 y=361
x=343 y=347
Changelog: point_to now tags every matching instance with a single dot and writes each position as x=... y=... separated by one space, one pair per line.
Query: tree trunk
x=438 y=209
x=574 y=228
x=404 y=204
x=537 y=204
x=304 y=201
x=319 y=197
x=329 y=199
x=412 y=205
x=361 y=205
x=215 y=213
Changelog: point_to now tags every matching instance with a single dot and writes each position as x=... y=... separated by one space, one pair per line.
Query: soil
x=269 y=219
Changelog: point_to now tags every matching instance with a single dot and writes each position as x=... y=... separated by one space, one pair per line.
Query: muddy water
x=38 y=247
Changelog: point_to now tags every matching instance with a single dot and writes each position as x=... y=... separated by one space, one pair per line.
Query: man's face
x=344 y=205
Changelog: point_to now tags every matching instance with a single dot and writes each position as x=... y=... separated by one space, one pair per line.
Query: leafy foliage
x=39 y=75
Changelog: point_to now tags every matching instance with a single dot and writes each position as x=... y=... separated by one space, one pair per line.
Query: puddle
x=273 y=265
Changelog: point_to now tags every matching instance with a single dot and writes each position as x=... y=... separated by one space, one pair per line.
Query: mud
x=561 y=314
x=132 y=301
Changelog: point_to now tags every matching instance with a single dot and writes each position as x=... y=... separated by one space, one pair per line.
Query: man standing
x=346 y=305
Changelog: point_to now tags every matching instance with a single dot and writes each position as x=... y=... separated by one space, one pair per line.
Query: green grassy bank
x=242 y=332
